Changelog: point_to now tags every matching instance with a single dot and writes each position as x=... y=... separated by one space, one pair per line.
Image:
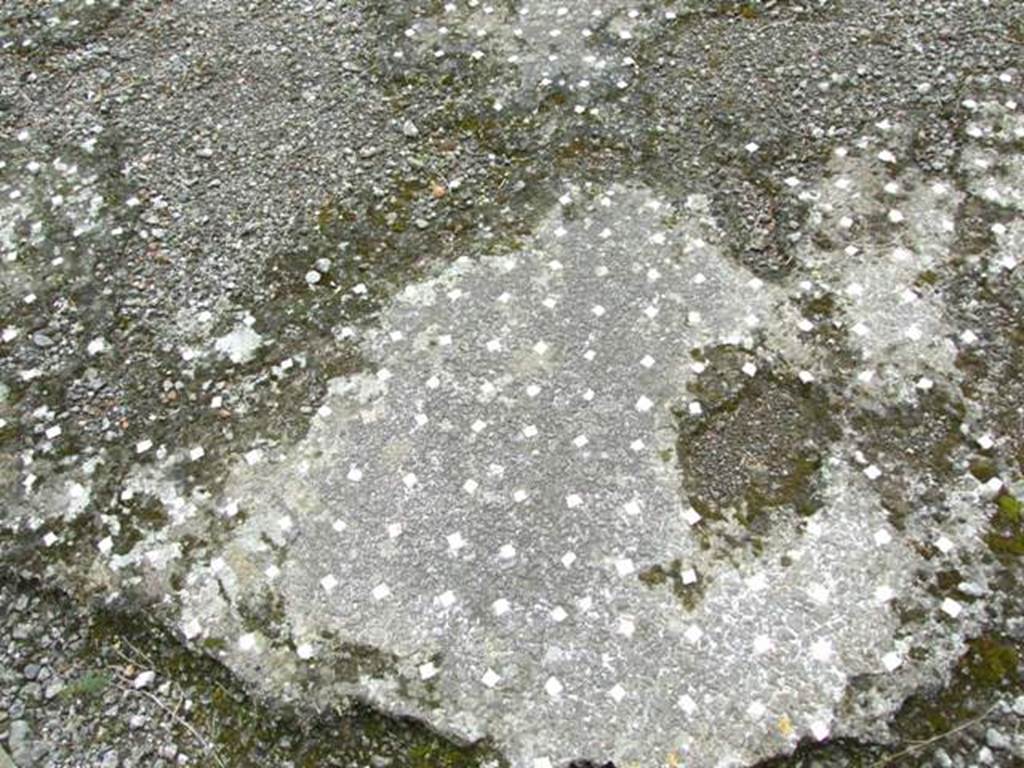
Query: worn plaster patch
x=480 y=507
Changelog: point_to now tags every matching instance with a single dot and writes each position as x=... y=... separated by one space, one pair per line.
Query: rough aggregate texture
x=585 y=381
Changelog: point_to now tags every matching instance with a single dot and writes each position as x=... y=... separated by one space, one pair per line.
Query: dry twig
x=127 y=685
x=919 y=745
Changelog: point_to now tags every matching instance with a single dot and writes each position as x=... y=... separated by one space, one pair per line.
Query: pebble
x=996 y=740
x=168 y=751
x=992 y=488
x=53 y=689
x=32 y=691
x=972 y=589
x=19 y=741
x=144 y=679
x=410 y=130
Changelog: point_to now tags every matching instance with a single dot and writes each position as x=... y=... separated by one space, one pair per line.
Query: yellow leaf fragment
x=785 y=726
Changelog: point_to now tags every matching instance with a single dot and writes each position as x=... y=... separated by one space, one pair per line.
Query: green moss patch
x=1006 y=537
x=91 y=684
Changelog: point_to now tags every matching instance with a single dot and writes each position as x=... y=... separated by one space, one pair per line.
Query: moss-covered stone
x=989 y=667
x=916 y=437
x=759 y=443
x=244 y=730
